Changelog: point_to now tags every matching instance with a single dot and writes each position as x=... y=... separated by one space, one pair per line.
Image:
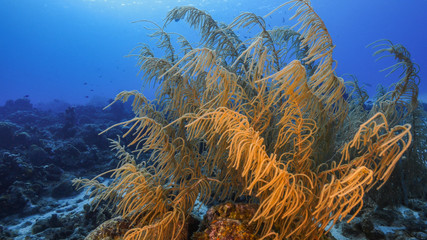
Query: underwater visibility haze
x=73 y=50
x=236 y=125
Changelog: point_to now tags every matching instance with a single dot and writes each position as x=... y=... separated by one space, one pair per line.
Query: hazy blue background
x=74 y=50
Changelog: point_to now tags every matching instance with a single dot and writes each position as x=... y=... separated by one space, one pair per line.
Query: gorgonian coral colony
x=265 y=118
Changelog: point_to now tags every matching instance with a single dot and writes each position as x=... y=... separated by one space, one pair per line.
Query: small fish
x=269 y=25
x=177 y=19
x=85 y=83
x=86 y=96
x=91 y=90
x=283 y=20
x=100 y=76
x=26 y=96
x=368 y=84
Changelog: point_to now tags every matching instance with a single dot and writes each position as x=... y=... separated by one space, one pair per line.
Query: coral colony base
x=265 y=122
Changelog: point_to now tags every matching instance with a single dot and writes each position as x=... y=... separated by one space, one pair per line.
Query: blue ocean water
x=74 y=50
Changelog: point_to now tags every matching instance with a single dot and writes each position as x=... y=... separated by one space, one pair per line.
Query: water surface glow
x=51 y=48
